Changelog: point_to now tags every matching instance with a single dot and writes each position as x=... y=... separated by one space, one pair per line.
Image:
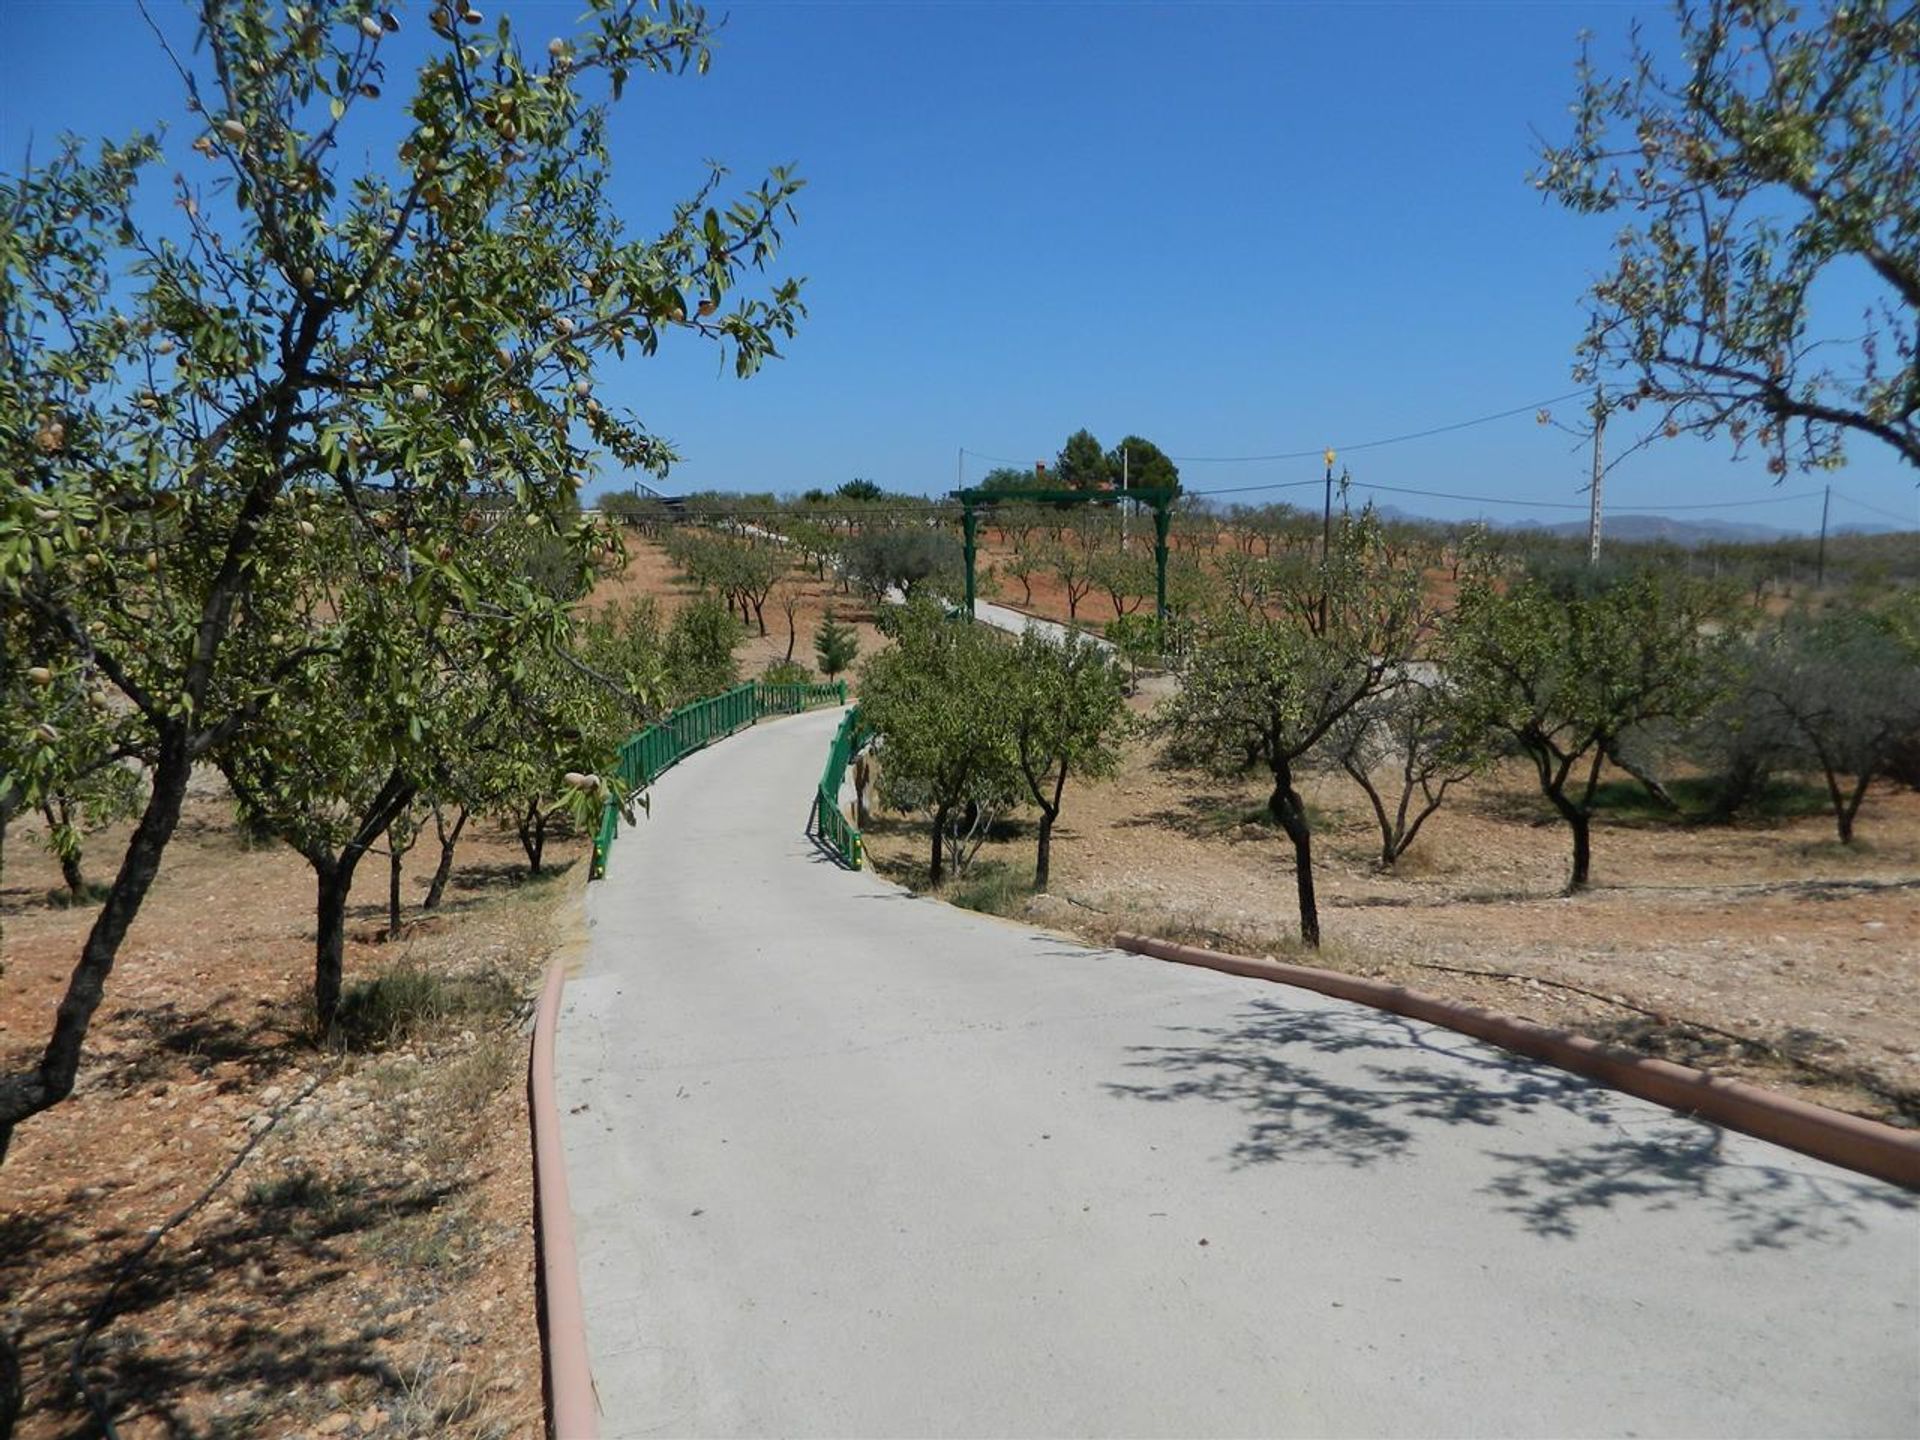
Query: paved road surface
x=1003 y=617
x=849 y=1163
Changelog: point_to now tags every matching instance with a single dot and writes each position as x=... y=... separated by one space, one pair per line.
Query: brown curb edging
x=572 y=1410
x=1882 y=1151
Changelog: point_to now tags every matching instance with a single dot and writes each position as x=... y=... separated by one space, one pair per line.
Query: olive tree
x=413 y=341
x=1836 y=693
x=1783 y=150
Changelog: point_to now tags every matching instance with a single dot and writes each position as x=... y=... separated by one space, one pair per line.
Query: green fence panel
x=650 y=753
x=833 y=828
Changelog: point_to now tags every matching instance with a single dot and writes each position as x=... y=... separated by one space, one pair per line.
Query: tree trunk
x=26 y=1093
x=70 y=872
x=936 y=869
x=793 y=631
x=1286 y=806
x=1043 y=860
x=69 y=859
x=533 y=836
x=444 y=870
x=330 y=937
x=1582 y=849
x=1648 y=781
x=1358 y=772
x=396 y=857
x=1744 y=781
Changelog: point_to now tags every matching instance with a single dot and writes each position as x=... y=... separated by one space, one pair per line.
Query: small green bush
x=992 y=887
x=787 y=672
x=407 y=999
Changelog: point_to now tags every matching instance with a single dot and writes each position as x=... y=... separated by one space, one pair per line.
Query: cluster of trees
x=1343 y=662
x=971 y=724
x=1083 y=464
x=292 y=465
x=746 y=570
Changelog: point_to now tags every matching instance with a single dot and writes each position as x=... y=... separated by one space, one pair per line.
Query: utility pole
x=1123 y=498
x=1593 y=498
x=1326 y=540
x=1820 y=564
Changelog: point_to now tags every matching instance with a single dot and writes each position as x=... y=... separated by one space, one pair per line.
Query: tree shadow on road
x=1364 y=1089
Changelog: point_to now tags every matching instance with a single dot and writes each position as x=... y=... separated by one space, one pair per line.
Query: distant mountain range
x=1628 y=526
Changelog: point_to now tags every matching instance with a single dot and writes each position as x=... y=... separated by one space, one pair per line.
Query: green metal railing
x=651 y=752
x=834 y=829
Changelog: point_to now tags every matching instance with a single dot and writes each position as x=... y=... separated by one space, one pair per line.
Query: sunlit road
x=850 y=1163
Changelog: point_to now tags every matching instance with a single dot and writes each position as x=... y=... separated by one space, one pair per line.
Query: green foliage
x=1266 y=689
x=991 y=887
x=835 y=646
x=1008 y=477
x=1128 y=578
x=743 y=571
x=1834 y=694
x=910 y=561
x=1082 y=464
x=1786 y=146
x=787 y=672
x=857 y=489
x=1569 y=670
x=1069 y=715
x=938 y=704
x=310 y=377
x=699 y=652
x=1147 y=465
x=635 y=511
x=408 y=999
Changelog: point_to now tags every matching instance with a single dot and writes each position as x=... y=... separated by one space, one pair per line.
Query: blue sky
x=1236 y=229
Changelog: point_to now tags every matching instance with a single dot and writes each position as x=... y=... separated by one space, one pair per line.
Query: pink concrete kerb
x=572 y=1409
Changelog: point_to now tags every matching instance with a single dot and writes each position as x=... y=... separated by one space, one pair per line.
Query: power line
x=1244 y=489
x=1376 y=444
x=1874 y=509
x=1317 y=450
x=1571 y=505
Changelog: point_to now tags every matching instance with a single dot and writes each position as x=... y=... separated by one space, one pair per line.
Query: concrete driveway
x=849 y=1163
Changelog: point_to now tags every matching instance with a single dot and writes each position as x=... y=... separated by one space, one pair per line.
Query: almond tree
x=1782 y=150
x=412 y=343
x=1266 y=690
x=939 y=702
x=1564 y=668
x=1413 y=732
x=1069 y=715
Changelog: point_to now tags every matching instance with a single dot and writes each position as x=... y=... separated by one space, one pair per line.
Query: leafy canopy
x=1783 y=151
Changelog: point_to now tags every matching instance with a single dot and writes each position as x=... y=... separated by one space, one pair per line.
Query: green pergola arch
x=1160 y=501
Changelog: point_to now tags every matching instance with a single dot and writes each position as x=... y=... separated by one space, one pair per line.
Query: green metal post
x=968 y=521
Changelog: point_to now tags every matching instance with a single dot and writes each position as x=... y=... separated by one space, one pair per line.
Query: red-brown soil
x=367 y=1270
